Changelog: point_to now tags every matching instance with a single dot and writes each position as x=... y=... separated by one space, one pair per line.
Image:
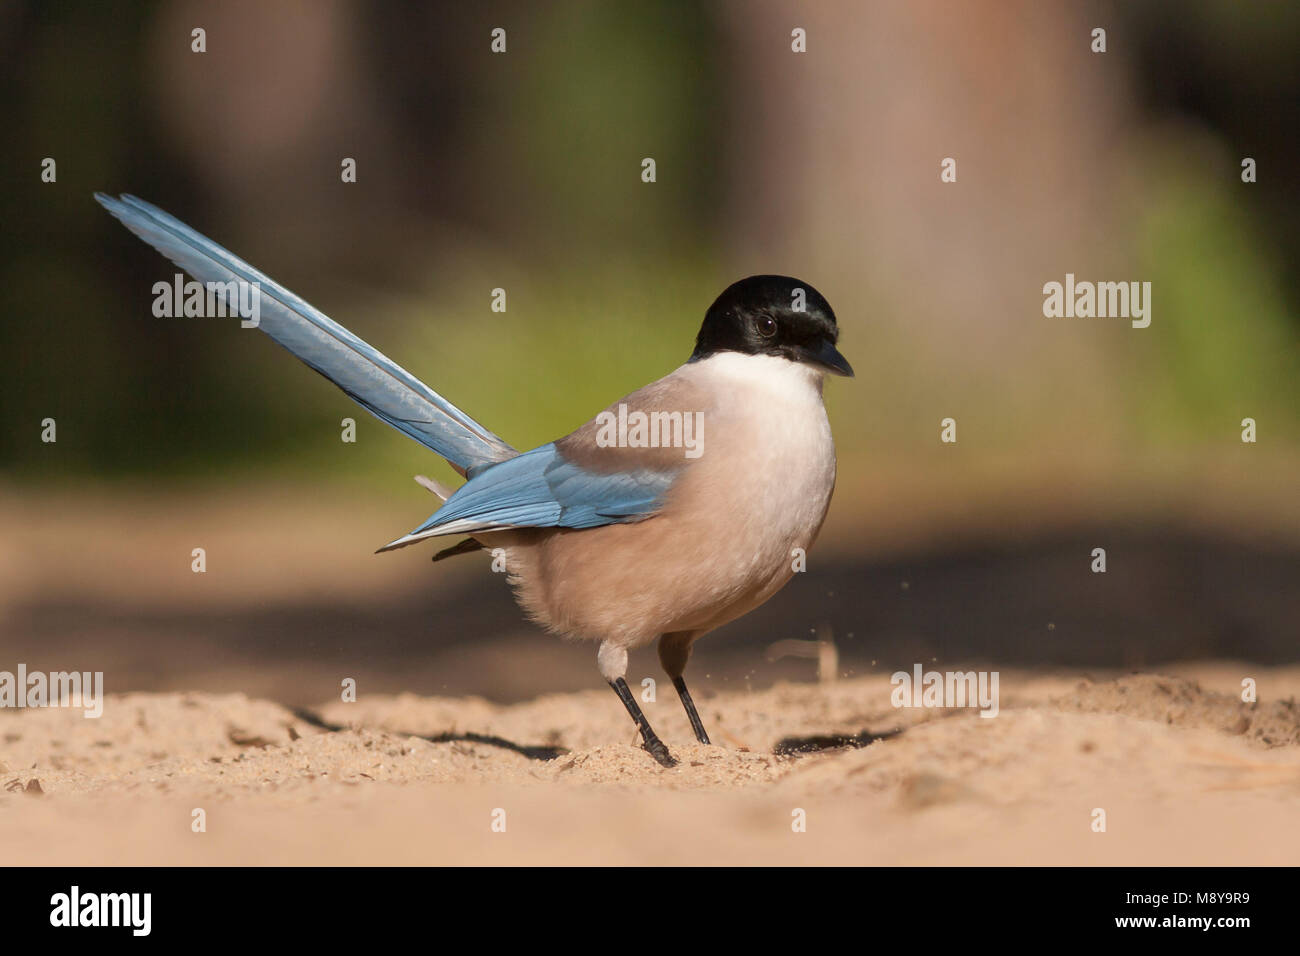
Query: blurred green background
x=523 y=171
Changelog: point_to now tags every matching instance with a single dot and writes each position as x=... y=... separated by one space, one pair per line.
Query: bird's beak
x=826 y=356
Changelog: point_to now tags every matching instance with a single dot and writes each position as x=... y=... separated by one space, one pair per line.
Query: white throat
x=792 y=382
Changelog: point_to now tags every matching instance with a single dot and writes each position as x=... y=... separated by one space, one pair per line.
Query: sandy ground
x=1101 y=705
x=1185 y=772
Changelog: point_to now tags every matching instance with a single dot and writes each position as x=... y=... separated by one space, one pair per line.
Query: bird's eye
x=766 y=326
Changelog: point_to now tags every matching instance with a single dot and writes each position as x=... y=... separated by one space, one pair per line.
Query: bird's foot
x=650 y=741
x=655 y=747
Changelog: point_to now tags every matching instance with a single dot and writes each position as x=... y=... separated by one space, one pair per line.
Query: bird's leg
x=649 y=739
x=692 y=714
x=612 y=661
x=674 y=652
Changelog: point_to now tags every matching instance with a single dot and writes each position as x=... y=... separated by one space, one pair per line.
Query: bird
x=677 y=509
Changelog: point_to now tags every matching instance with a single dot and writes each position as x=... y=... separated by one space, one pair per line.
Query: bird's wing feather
x=366 y=375
x=543 y=489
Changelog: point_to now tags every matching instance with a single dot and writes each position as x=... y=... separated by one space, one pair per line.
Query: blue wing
x=366 y=375
x=541 y=489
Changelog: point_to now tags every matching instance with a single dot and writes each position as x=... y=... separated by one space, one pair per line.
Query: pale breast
x=771 y=477
x=723 y=542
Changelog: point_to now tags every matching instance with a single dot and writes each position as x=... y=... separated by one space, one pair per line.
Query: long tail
x=366 y=375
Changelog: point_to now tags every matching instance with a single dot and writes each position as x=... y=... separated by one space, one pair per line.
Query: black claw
x=650 y=741
x=656 y=749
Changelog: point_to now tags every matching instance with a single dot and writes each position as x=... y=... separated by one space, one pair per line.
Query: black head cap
x=773 y=315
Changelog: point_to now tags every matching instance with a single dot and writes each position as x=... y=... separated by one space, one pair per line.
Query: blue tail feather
x=366 y=375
